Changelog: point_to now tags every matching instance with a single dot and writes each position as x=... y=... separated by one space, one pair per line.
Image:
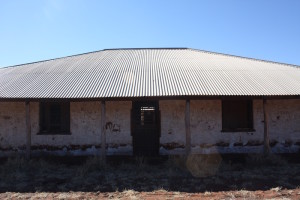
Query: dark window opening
x=237 y=115
x=54 y=118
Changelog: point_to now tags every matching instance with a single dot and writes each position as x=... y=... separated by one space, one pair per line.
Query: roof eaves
x=51 y=59
x=243 y=57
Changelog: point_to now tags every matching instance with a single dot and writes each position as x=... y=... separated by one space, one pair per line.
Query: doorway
x=145 y=128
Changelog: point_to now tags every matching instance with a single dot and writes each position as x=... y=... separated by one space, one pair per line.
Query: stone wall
x=12 y=125
x=118 y=132
x=284 y=125
x=206 y=128
x=85 y=128
x=172 y=126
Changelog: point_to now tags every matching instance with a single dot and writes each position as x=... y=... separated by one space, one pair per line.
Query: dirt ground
x=159 y=194
x=195 y=177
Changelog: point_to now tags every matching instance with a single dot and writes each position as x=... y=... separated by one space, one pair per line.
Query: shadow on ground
x=89 y=174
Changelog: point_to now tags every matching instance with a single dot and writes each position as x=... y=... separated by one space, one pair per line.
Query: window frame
x=45 y=124
x=250 y=120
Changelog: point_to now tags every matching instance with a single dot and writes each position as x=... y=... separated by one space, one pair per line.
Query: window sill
x=238 y=130
x=54 y=133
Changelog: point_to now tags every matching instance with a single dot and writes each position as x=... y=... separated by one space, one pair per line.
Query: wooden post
x=266 y=128
x=103 y=134
x=28 y=130
x=187 y=128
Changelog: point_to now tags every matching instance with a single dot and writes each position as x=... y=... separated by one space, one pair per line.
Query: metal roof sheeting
x=120 y=73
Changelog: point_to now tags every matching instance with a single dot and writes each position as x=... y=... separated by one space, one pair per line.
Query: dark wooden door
x=145 y=128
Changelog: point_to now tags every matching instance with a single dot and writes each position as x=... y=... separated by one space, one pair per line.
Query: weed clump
x=92 y=164
x=20 y=164
x=257 y=160
x=203 y=165
x=198 y=165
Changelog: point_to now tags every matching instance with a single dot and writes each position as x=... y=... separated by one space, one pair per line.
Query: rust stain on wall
x=254 y=143
x=206 y=145
x=288 y=143
x=273 y=143
x=115 y=146
x=222 y=144
x=6 y=117
x=238 y=144
x=173 y=145
x=72 y=147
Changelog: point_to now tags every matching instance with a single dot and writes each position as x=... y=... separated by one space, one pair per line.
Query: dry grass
x=178 y=176
x=131 y=194
x=92 y=164
x=203 y=165
x=258 y=160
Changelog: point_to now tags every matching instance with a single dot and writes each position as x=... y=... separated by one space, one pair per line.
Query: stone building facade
x=207 y=135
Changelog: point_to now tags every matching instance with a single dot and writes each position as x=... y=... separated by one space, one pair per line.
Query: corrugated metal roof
x=116 y=73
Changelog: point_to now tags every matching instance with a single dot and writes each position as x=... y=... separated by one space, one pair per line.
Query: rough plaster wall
x=284 y=121
x=85 y=125
x=205 y=121
x=206 y=125
x=85 y=128
x=206 y=129
x=118 y=123
x=12 y=124
x=172 y=122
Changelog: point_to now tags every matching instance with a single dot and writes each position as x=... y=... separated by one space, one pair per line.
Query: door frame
x=137 y=128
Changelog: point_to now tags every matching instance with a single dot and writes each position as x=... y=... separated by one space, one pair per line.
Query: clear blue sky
x=38 y=30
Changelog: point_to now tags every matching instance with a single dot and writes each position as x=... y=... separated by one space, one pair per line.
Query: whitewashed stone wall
x=85 y=128
x=206 y=129
x=118 y=132
x=172 y=126
x=285 y=125
x=12 y=125
x=206 y=126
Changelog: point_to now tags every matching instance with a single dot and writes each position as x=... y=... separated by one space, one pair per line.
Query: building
x=149 y=102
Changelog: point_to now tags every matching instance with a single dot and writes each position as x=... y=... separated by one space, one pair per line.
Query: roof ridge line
x=244 y=57
x=89 y=53
x=147 y=48
x=161 y=48
x=51 y=59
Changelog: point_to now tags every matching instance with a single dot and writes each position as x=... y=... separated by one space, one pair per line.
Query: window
x=237 y=115
x=147 y=115
x=54 y=118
